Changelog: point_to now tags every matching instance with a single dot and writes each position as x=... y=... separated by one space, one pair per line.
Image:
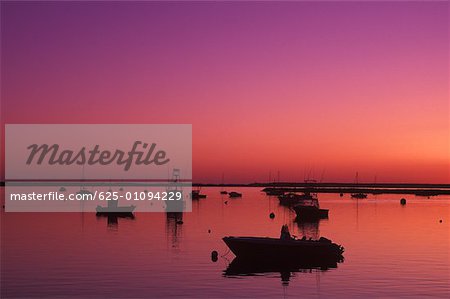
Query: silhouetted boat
x=124 y=210
x=294 y=198
x=310 y=210
x=359 y=194
x=273 y=191
x=223 y=191
x=196 y=194
x=114 y=209
x=112 y=216
x=234 y=194
x=257 y=248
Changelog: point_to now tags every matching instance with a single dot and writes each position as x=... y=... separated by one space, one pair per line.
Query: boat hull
x=234 y=194
x=115 y=210
x=253 y=248
x=310 y=213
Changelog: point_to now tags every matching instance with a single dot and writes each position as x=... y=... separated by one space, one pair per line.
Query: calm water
x=391 y=250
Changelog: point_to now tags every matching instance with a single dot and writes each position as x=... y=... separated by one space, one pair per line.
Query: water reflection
x=286 y=268
x=174 y=228
x=112 y=219
x=309 y=228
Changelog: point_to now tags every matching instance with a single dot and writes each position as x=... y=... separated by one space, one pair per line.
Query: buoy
x=226 y=202
x=440 y=221
x=209 y=231
x=342 y=194
x=214 y=256
x=272 y=215
x=403 y=201
x=180 y=222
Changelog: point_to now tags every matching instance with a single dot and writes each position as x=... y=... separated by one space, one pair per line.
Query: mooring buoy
x=214 y=256
x=403 y=201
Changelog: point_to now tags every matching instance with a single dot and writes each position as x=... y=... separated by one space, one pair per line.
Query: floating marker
x=403 y=201
x=214 y=256
x=272 y=215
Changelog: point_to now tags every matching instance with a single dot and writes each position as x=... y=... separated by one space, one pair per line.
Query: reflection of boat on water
x=294 y=198
x=283 y=249
x=113 y=218
x=174 y=221
x=310 y=209
x=233 y=194
x=224 y=192
x=308 y=228
x=174 y=190
x=245 y=267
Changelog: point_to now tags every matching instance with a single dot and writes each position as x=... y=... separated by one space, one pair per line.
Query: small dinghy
x=197 y=195
x=284 y=248
x=234 y=194
x=359 y=195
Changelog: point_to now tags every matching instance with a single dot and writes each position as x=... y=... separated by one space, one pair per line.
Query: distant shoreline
x=285 y=184
x=371 y=188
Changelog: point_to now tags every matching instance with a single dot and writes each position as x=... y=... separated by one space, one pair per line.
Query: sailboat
x=222 y=191
x=358 y=195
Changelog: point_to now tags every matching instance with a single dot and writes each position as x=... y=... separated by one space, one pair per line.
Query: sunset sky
x=322 y=89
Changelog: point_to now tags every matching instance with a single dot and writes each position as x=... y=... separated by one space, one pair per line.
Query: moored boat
x=260 y=248
x=294 y=198
x=359 y=195
x=196 y=194
x=310 y=209
x=273 y=191
x=234 y=194
x=123 y=211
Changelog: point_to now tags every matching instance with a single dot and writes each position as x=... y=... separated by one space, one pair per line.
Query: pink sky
x=296 y=87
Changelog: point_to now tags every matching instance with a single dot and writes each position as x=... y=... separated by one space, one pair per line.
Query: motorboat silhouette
x=310 y=209
x=197 y=195
x=233 y=194
x=114 y=209
x=285 y=248
x=291 y=198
